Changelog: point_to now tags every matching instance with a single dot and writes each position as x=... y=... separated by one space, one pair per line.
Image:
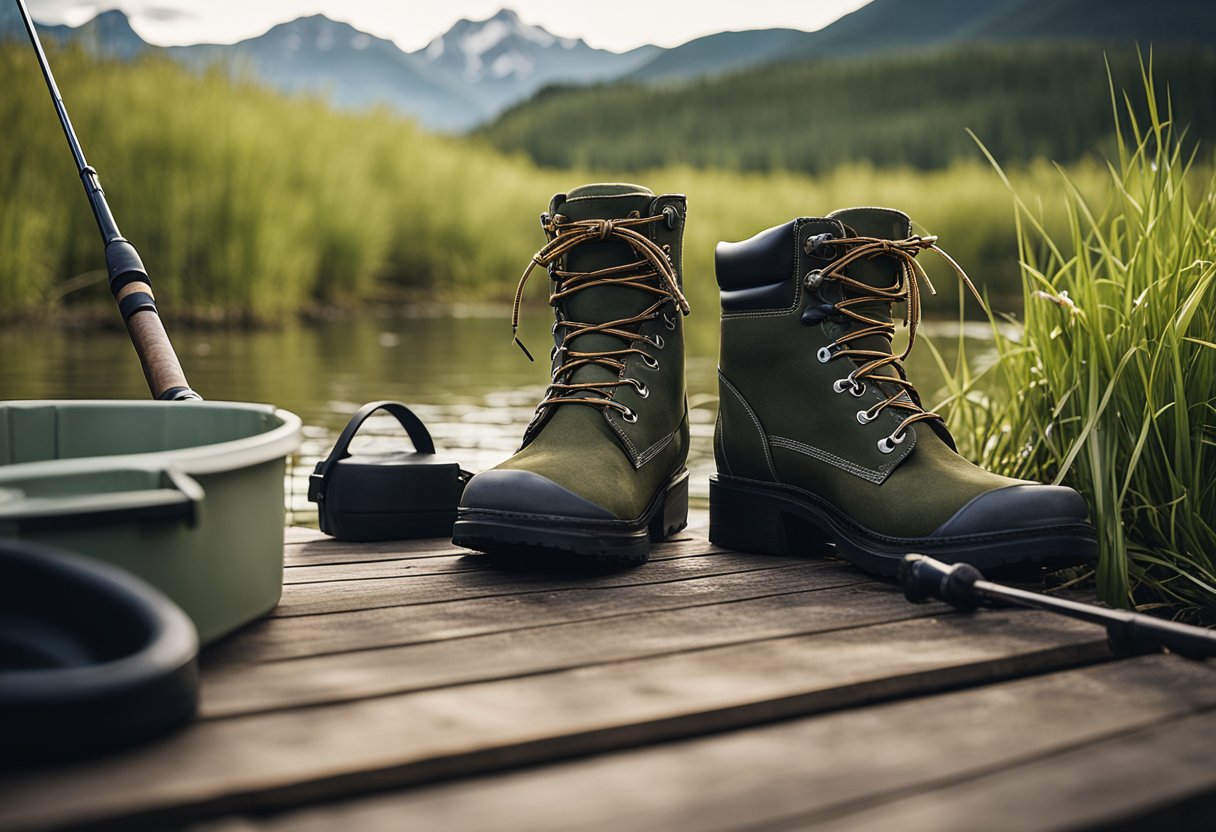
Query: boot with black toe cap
x=821 y=439
x=601 y=471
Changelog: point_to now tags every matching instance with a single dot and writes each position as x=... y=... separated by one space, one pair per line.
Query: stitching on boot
x=772 y=469
x=650 y=453
x=639 y=458
x=630 y=195
x=876 y=476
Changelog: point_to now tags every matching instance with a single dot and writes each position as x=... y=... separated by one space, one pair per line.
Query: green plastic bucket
x=187 y=495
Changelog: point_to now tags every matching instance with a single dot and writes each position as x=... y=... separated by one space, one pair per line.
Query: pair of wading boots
x=820 y=437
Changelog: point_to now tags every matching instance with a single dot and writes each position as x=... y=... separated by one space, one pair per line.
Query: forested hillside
x=1044 y=100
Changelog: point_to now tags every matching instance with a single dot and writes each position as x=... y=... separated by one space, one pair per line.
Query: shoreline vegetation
x=1109 y=385
x=248 y=206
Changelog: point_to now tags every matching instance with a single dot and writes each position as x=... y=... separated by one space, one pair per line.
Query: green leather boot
x=821 y=438
x=601 y=469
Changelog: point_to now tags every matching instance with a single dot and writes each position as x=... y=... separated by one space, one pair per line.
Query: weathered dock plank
x=404 y=665
x=410 y=623
x=782 y=611
x=1077 y=749
x=284 y=757
x=481 y=580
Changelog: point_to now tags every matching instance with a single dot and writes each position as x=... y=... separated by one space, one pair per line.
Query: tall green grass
x=249 y=206
x=1109 y=384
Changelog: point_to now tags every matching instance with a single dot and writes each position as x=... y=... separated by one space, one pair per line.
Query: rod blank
x=964 y=587
x=129 y=281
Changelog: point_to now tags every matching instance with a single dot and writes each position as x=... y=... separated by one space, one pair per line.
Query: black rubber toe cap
x=523 y=492
x=1017 y=508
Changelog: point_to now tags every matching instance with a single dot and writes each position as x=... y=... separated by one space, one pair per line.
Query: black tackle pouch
x=387 y=496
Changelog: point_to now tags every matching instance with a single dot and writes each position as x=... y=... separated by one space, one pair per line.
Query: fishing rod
x=129 y=281
x=964 y=588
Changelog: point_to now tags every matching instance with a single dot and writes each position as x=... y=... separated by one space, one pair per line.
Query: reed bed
x=248 y=206
x=1108 y=384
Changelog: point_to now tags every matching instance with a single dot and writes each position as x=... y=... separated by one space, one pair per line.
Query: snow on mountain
x=506 y=60
x=464 y=77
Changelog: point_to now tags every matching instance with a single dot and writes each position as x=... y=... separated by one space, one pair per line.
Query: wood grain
x=289 y=757
x=438 y=619
x=1094 y=746
x=780 y=611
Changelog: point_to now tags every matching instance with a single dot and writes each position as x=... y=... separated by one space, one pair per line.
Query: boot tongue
x=600 y=304
x=879 y=272
x=884 y=223
x=608 y=189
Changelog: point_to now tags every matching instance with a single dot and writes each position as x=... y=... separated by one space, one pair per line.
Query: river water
x=456 y=368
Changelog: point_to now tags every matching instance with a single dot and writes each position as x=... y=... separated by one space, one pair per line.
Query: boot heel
x=750 y=522
x=673 y=516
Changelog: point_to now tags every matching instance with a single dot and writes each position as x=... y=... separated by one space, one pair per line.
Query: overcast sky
x=617 y=25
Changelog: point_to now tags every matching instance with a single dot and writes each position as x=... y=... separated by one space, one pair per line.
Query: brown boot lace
x=654 y=262
x=906 y=289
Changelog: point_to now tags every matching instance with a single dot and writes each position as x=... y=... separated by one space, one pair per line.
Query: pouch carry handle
x=417 y=432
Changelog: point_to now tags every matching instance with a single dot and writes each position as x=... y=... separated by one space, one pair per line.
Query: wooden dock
x=416 y=686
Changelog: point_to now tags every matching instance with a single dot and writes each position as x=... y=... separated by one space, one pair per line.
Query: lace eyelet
x=669 y=322
x=855 y=388
x=813 y=278
x=640 y=386
x=651 y=363
x=657 y=342
x=629 y=415
x=887 y=443
x=825 y=354
x=864 y=417
x=817 y=245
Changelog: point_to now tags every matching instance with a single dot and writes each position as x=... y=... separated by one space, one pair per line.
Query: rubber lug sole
x=766 y=518
x=546 y=535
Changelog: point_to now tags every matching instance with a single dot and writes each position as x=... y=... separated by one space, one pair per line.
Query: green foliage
x=1026 y=101
x=1109 y=385
x=244 y=204
x=247 y=206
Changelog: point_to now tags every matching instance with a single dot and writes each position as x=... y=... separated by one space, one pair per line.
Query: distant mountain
x=352 y=68
x=503 y=60
x=886 y=27
x=895 y=82
x=109 y=34
x=466 y=76
x=478 y=69
x=719 y=54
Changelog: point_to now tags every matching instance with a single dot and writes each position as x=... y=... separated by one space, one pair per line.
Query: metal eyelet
x=813 y=278
x=855 y=388
x=658 y=342
x=825 y=354
x=640 y=386
x=669 y=322
x=817 y=245
x=671 y=215
x=628 y=415
x=864 y=417
x=652 y=363
x=887 y=443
